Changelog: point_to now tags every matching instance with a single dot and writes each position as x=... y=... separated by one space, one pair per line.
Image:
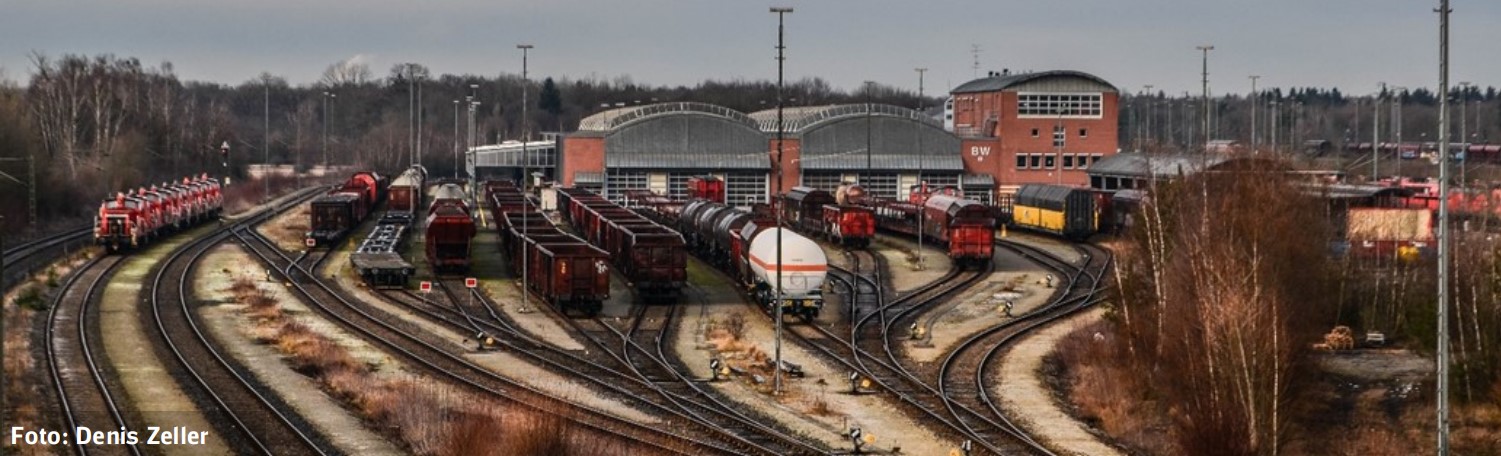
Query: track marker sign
x=470 y=282
x=426 y=287
x=311 y=242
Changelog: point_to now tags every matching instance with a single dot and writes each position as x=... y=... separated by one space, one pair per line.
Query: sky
x=1349 y=44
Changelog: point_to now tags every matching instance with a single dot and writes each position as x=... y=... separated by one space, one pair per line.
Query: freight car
x=450 y=228
x=817 y=212
x=404 y=196
x=378 y=260
x=965 y=228
x=744 y=244
x=561 y=268
x=133 y=219
x=1071 y=212
x=648 y=254
x=338 y=212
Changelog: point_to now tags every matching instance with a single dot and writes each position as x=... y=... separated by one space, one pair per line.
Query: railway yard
x=264 y=344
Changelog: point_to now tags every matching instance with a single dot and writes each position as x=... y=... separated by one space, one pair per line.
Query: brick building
x=1044 y=127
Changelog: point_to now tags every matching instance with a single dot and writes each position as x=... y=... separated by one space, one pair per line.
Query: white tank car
x=804 y=265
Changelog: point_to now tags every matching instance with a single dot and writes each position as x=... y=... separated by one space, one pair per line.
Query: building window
x=1036 y=161
x=1034 y=133
x=1083 y=132
x=1049 y=161
x=1068 y=161
x=1021 y=161
x=1058 y=134
x=1078 y=105
x=1095 y=158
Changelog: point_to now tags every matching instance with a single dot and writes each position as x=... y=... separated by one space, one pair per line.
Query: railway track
x=645 y=371
x=84 y=392
x=22 y=259
x=251 y=417
x=444 y=359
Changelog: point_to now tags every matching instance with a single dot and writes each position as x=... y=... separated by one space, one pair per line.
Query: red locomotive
x=338 y=212
x=817 y=212
x=450 y=228
x=133 y=220
x=562 y=269
x=650 y=255
x=707 y=188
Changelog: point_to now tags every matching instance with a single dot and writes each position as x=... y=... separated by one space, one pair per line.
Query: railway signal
x=714 y=365
x=310 y=242
x=426 y=287
x=967 y=446
x=470 y=282
x=858 y=437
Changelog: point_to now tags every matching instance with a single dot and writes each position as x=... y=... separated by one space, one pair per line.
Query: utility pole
x=870 y=87
x=922 y=186
x=525 y=173
x=326 y=96
x=1207 y=135
x=1253 y=98
x=1444 y=241
x=1151 y=112
x=781 y=12
x=266 y=140
x=1376 y=134
x=456 y=164
x=1464 y=137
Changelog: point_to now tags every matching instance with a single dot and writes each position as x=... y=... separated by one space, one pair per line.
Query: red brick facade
x=994 y=135
x=582 y=154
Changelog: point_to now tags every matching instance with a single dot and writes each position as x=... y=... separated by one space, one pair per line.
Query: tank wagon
x=1070 y=212
x=133 y=219
x=450 y=229
x=561 y=269
x=648 y=254
x=744 y=243
x=818 y=213
x=338 y=212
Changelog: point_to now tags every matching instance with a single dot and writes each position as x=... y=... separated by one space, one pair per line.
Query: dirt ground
x=234 y=332
x=148 y=385
x=507 y=365
x=27 y=401
x=978 y=308
x=904 y=276
x=289 y=230
x=1027 y=397
x=817 y=405
x=1052 y=245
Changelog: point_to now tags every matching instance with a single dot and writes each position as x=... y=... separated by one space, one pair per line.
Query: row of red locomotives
x=133 y=219
x=450 y=229
x=562 y=269
x=336 y=213
x=653 y=257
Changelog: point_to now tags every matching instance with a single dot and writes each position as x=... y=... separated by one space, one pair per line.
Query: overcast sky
x=1350 y=44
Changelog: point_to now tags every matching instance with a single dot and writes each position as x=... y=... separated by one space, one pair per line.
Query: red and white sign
x=471 y=282
x=426 y=287
x=311 y=242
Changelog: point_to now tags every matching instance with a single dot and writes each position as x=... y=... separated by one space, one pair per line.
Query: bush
x=31 y=298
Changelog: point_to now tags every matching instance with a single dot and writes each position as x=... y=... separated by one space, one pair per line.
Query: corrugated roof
x=1353 y=191
x=995 y=83
x=1149 y=166
x=953 y=163
x=614 y=119
x=681 y=161
x=799 y=119
x=977 y=180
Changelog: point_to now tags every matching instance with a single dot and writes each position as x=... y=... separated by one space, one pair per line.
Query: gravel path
x=235 y=336
x=150 y=388
x=797 y=407
x=1025 y=397
x=903 y=276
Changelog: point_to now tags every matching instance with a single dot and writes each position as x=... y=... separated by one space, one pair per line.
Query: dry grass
x=424 y=417
x=1105 y=394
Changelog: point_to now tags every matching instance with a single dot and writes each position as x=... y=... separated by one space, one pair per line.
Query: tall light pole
x=781 y=12
x=870 y=87
x=411 y=113
x=1444 y=243
x=525 y=172
x=1206 y=48
x=1151 y=111
x=456 y=164
x=266 y=138
x=1401 y=98
x=921 y=214
x=326 y=96
x=417 y=133
x=1376 y=133
x=1253 y=98
x=1464 y=137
